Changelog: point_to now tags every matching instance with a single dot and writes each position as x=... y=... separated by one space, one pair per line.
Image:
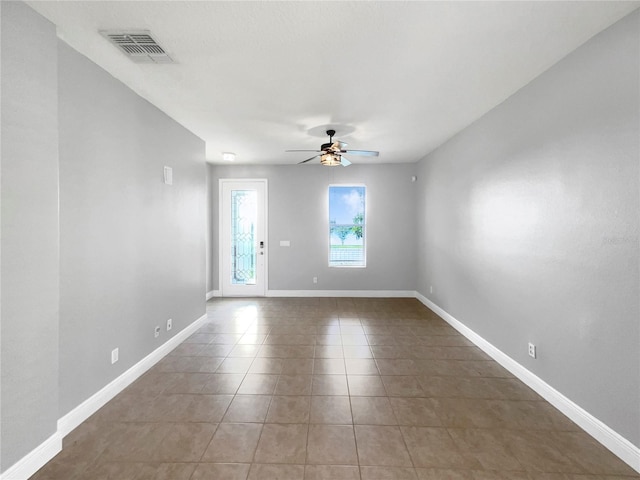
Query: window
x=347 y=226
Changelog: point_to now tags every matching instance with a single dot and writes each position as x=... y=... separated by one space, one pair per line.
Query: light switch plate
x=285 y=243
x=168 y=175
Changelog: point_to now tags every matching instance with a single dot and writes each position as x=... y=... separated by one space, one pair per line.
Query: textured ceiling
x=256 y=78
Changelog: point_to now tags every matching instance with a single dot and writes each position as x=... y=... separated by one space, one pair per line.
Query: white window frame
x=364 y=224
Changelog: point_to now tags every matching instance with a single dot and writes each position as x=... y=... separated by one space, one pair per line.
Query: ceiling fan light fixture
x=331 y=153
x=330 y=160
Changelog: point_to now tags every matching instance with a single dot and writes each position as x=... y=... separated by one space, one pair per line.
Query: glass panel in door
x=243 y=237
x=243 y=249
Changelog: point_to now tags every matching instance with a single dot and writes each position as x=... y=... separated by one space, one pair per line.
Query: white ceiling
x=256 y=78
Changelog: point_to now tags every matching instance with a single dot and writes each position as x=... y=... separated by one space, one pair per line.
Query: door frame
x=221 y=182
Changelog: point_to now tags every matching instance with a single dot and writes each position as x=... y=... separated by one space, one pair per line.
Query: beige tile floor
x=329 y=389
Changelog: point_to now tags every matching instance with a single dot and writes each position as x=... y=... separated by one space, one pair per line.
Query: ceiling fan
x=331 y=154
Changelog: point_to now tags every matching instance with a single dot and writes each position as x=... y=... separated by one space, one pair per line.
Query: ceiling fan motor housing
x=327 y=146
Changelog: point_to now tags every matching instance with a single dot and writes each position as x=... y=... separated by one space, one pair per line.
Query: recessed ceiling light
x=228 y=156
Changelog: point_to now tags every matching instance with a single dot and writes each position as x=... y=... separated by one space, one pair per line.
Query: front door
x=243 y=252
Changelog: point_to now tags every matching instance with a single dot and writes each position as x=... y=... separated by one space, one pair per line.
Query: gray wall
x=298 y=213
x=29 y=272
x=211 y=229
x=528 y=226
x=96 y=250
x=132 y=248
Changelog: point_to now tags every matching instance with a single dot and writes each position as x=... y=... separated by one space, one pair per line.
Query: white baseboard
x=612 y=440
x=343 y=293
x=91 y=405
x=213 y=293
x=608 y=437
x=34 y=460
x=44 y=452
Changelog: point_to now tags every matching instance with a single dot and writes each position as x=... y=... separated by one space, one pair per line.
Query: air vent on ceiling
x=138 y=45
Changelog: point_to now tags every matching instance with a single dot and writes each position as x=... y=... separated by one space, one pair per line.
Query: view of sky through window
x=347 y=226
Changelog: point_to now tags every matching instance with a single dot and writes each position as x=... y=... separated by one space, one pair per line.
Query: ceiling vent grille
x=138 y=45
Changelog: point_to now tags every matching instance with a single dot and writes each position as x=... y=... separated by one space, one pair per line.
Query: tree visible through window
x=347 y=226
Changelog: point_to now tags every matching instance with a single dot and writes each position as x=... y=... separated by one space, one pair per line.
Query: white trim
x=612 y=440
x=87 y=408
x=39 y=456
x=364 y=223
x=213 y=293
x=44 y=452
x=343 y=293
x=34 y=460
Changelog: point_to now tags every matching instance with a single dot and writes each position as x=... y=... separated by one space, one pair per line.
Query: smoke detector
x=138 y=45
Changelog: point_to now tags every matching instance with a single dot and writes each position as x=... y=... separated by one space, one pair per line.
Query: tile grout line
x=228 y=406
x=479 y=372
x=353 y=422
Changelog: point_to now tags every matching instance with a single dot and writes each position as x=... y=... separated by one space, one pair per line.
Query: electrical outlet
x=430 y=288
x=169 y=324
x=532 y=350
x=315 y=279
x=157 y=332
x=114 y=355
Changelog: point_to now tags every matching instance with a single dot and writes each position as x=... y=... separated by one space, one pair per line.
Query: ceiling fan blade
x=303 y=151
x=308 y=159
x=344 y=162
x=365 y=153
